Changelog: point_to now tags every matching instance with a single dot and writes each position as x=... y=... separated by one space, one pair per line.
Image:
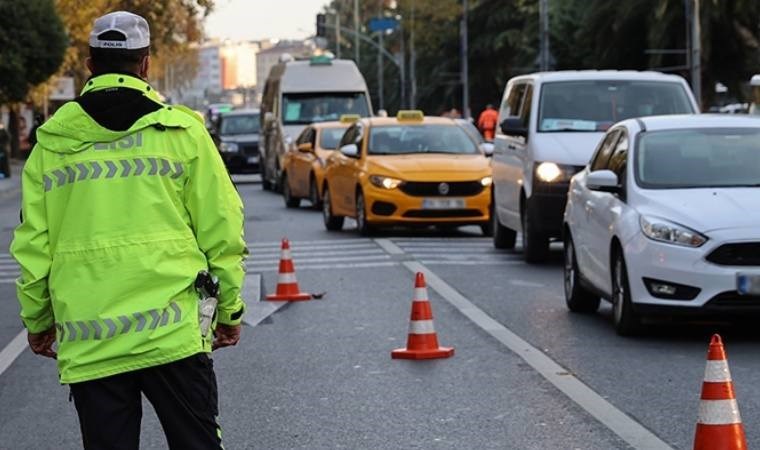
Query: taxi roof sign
x=321 y=60
x=349 y=118
x=410 y=115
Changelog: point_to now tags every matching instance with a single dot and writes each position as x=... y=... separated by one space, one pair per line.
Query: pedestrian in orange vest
x=487 y=122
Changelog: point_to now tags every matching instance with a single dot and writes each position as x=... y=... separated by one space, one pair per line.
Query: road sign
x=382 y=24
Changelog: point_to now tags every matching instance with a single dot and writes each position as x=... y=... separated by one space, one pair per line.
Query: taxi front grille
x=442 y=213
x=434 y=189
x=736 y=254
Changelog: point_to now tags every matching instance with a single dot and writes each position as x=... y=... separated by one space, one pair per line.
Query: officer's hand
x=42 y=343
x=225 y=336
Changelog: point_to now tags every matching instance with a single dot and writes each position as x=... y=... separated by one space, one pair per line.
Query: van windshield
x=594 y=105
x=303 y=109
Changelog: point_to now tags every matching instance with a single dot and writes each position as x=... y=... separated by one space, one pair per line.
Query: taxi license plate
x=748 y=284
x=253 y=159
x=443 y=203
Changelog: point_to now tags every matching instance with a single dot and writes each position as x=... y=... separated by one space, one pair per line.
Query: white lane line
x=300 y=243
x=523 y=283
x=389 y=246
x=7 y=281
x=297 y=254
x=616 y=420
x=300 y=261
x=445 y=245
x=438 y=262
x=12 y=351
x=257 y=310
x=302 y=267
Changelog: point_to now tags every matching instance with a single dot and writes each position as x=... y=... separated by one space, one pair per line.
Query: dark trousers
x=183 y=393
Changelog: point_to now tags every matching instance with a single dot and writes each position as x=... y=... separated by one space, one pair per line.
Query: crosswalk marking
x=455 y=251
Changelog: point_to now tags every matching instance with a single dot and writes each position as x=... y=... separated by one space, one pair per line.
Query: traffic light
x=321 y=30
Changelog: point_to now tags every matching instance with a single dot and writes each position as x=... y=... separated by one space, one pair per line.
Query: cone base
x=301 y=296
x=440 y=352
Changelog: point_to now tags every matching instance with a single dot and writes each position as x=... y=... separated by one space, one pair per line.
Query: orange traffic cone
x=422 y=342
x=287 y=286
x=719 y=426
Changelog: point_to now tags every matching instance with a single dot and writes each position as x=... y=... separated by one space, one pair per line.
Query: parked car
x=303 y=171
x=238 y=140
x=298 y=93
x=550 y=124
x=666 y=220
x=407 y=170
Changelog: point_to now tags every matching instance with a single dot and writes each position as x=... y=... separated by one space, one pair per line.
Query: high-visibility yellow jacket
x=116 y=226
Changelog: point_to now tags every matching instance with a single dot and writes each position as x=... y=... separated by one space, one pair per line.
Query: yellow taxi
x=304 y=164
x=407 y=170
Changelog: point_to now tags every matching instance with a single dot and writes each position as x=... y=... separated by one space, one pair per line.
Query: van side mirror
x=603 y=181
x=513 y=126
x=350 y=150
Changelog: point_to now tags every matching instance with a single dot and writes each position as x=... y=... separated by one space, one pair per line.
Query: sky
x=258 y=19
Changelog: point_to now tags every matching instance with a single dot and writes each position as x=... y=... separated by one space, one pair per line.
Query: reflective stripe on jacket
x=116 y=225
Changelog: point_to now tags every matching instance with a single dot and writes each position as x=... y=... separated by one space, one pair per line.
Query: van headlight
x=385 y=182
x=665 y=231
x=549 y=172
x=228 y=147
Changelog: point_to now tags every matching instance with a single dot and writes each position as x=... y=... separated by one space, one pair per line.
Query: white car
x=665 y=219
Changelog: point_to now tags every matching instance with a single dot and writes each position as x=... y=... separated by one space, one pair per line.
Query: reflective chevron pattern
x=108 y=328
x=121 y=168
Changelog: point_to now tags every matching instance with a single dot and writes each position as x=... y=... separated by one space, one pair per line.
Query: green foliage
x=32 y=46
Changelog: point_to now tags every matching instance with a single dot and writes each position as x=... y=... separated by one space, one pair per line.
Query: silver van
x=298 y=93
x=549 y=126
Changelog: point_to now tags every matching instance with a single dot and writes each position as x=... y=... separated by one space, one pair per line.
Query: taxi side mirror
x=305 y=147
x=350 y=150
x=487 y=148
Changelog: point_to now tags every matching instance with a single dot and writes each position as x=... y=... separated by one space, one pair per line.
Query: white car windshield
x=406 y=139
x=594 y=105
x=699 y=158
x=240 y=124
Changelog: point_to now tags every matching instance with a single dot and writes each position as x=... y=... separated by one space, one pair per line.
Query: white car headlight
x=384 y=182
x=664 y=231
x=550 y=172
x=228 y=147
x=486 y=181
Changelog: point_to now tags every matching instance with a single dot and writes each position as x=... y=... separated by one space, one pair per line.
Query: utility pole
x=337 y=34
x=356 y=31
x=402 y=69
x=543 y=11
x=465 y=68
x=696 y=69
x=412 y=66
x=380 y=102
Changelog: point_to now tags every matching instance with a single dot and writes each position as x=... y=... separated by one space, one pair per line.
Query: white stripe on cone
x=717 y=371
x=421 y=327
x=286 y=278
x=719 y=412
x=285 y=255
x=420 y=294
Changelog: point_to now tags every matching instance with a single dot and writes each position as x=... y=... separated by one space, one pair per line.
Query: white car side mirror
x=603 y=181
x=350 y=150
x=487 y=148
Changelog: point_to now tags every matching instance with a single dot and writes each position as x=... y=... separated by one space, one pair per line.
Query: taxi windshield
x=329 y=137
x=409 y=139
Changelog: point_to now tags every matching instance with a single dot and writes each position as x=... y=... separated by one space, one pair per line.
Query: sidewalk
x=12 y=186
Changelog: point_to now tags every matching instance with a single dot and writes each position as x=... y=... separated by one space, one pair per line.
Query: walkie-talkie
x=207 y=286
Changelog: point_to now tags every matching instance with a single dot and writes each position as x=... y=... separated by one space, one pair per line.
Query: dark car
x=237 y=136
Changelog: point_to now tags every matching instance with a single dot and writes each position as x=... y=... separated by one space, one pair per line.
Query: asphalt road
x=318 y=375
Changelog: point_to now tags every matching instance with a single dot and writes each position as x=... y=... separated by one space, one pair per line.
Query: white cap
x=133 y=31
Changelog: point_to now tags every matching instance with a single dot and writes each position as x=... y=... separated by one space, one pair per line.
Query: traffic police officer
x=125 y=201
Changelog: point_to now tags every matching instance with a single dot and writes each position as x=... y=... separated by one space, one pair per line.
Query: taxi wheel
x=577 y=297
x=362 y=226
x=287 y=195
x=627 y=322
x=332 y=223
x=314 y=193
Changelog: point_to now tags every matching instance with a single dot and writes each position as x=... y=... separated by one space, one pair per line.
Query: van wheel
x=578 y=298
x=535 y=244
x=627 y=322
x=332 y=223
x=503 y=237
x=290 y=201
x=314 y=193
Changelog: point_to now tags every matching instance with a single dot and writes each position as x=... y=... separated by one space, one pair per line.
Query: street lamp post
x=465 y=68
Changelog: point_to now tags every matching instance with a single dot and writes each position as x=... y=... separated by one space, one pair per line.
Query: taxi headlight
x=664 y=231
x=486 y=181
x=228 y=147
x=384 y=182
